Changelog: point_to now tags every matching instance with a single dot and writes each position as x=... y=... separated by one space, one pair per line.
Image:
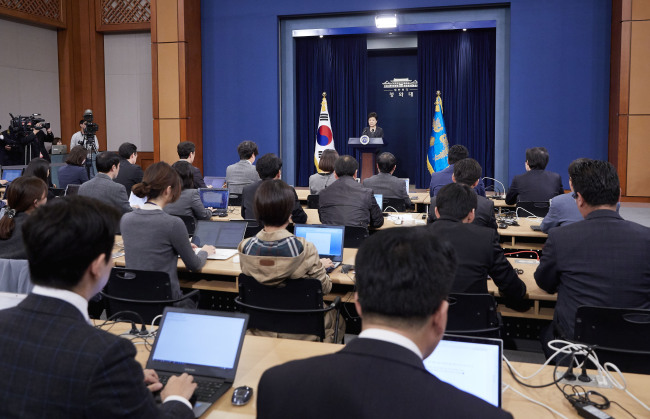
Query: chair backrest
x=313 y=201
x=354 y=236
x=473 y=314
x=296 y=294
x=537 y=208
x=252 y=228
x=190 y=223
x=396 y=203
x=234 y=200
x=622 y=335
x=57 y=191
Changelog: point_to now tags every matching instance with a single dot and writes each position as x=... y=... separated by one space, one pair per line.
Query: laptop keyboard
x=205 y=389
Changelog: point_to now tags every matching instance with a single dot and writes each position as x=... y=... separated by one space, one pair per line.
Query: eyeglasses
x=574 y=195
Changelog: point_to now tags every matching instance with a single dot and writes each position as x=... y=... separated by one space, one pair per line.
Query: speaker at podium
x=365 y=149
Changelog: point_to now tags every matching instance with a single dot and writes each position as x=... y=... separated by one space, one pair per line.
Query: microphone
x=502 y=187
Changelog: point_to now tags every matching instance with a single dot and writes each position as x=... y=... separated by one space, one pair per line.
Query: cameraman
x=78 y=139
x=37 y=141
x=11 y=151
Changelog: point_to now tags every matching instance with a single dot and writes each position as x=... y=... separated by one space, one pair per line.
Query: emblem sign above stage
x=401 y=88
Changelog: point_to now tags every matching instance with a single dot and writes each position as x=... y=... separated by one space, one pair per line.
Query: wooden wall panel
x=145 y=159
x=167 y=21
x=168 y=81
x=638 y=170
x=625 y=50
x=640 y=68
x=170 y=136
x=640 y=10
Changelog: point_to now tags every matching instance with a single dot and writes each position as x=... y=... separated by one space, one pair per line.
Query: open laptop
x=224 y=235
x=72 y=190
x=11 y=173
x=380 y=200
x=407 y=182
x=328 y=240
x=471 y=364
x=205 y=344
x=215 y=198
x=215 y=181
x=59 y=149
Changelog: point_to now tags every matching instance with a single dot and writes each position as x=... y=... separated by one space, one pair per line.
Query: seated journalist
x=385 y=183
x=537 y=184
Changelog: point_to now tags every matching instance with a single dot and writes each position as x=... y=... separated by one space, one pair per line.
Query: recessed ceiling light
x=386 y=21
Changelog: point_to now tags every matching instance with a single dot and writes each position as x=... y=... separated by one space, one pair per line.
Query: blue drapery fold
x=462 y=66
x=337 y=66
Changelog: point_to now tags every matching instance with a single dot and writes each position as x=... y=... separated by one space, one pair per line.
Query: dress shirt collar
x=247 y=161
x=391 y=337
x=68 y=296
x=103 y=175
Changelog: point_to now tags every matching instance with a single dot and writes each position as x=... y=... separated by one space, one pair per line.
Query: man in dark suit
x=439 y=179
x=600 y=261
x=187 y=151
x=403 y=276
x=345 y=202
x=54 y=362
x=102 y=186
x=468 y=172
x=477 y=248
x=130 y=173
x=269 y=166
x=385 y=183
x=537 y=184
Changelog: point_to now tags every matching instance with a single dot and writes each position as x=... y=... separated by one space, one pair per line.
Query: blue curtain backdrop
x=339 y=67
x=462 y=66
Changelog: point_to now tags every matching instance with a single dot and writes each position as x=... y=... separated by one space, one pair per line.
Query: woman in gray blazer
x=189 y=203
x=321 y=180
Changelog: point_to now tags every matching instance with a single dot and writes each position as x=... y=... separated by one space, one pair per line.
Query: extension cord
x=597 y=381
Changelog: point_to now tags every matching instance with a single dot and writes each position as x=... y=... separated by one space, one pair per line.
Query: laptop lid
x=199 y=342
x=328 y=239
x=220 y=234
x=11 y=173
x=216 y=198
x=380 y=200
x=215 y=181
x=407 y=181
x=72 y=190
x=471 y=364
x=59 y=149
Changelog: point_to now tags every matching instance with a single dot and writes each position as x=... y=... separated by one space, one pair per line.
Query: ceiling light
x=386 y=21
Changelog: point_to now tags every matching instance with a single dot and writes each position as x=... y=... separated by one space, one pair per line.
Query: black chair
x=312 y=201
x=189 y=221
x=294 y=307
x=57 y=191
x=354 y=236
x=537 y=208
x=234 y=200
x=395 y=203
x=144 y=292
x=619 y=335
x=252 y=228
x=473 y=314
x=72 y=190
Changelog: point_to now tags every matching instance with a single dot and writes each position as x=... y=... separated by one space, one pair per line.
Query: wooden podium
x=365 y=154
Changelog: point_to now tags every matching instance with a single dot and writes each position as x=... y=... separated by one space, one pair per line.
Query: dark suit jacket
x=601 y=261
x=129 y=175
x=368 y=378
x=389 y=186
x=298 y=215
x=347 y=203
x=484 y=215
x=72 y=175
x=479 y=254
x=534 y=185
x=198 y=178
x=443 y=177
x=378 y=133
x=56 y=365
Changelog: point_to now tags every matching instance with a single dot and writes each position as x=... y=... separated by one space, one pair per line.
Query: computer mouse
x=503 y=225
x=242 y=395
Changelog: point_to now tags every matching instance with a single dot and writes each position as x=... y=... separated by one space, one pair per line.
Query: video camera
x=26 y=123
x=91 y=127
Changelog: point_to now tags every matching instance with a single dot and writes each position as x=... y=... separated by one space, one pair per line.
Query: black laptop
x=215 y=198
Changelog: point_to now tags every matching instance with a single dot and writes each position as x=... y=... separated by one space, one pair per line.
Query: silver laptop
x=205 y=344
x=59 y=149
x=328 y=240
x=380 y=200
x=472 y=364
x=224 y=235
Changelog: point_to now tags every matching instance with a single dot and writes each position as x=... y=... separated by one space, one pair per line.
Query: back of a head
x=247 y=149
x=126 y=150
x=22 y=194
x=184 y=170
x=83 y=226
x=39 y=168
x=597 y=182
x=467 y=171
x=386 y=162
x=456 y=201
x=403 y=275
x=106 y=160
x=346 y=166
x=184 y=149
x=158 y=177
x=456 y=153
x=268 y=166
x=327 y=160
x=537 y=158
x=77 y=156
x=273 y=202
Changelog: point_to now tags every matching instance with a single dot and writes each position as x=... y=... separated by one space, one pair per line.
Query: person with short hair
x=537 y=184
x=242 y=173
x=39 y=168
x=403 y=277
x=102 y=186
x=439 y=179
x=60 y=365
x=600 y=261
x=269 y=167
x=385 y=183
x=346 y=202
x=130 y=173
x=324 y=178
x=78 y=139
x=189 y=203
x=187 y=152
x=373 y=130
x=74 y=172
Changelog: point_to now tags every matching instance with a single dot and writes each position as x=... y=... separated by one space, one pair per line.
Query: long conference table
x=262 y=353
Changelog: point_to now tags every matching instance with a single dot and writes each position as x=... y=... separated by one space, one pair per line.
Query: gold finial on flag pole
x=438 y=93
x=324 y=94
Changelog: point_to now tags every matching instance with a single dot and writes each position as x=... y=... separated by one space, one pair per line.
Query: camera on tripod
x=91 y=127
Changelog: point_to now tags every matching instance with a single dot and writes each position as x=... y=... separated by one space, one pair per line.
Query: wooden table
x=409 y=219
x=519 y=237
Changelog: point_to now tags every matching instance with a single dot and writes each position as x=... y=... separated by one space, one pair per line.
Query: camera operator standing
x=11 y=152
x=86 y=137
x=37 y=141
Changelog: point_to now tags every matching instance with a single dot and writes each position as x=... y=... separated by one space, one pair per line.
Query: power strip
x=597 y=381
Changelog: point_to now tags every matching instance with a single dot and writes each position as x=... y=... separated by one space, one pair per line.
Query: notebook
x=215 y=198
x=328 y=240
x=11 y=173
x=471 y=364
x=380 y=200
x=205 y=344
x=224 y=235
x=215 y=181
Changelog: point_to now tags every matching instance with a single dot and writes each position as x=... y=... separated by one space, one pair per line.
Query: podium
x=365 y=154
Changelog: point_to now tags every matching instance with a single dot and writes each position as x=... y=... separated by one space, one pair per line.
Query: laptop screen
x=406 y=181
x=380 y=200
x=327 y=239
x=215 y=181
x=215 y=198
x=220 y=234
x=199 y=342
x=471 y=364
x=11 y=174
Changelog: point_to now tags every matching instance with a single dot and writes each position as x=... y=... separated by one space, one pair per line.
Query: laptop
x=215 y=181
x=72 y=190
x=224 y=235
x=11 y=173
x=328 y=240
x=215 y=198
x=205 y=344
x=380 y=200
x=407 y=181
x=59 y=149
x=471 y=364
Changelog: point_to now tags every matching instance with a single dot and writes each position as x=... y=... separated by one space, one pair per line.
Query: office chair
x=354 y=236
x=189 y=221
x=396 y=203
x=294 y=307
x=537 y=208
x=234 y=200
x=252 y=228
x=57 y=192
x=145 y=292
x=619 y=335
x=473 y=314
x=312 y=201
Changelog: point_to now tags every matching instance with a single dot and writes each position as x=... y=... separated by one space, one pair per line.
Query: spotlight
x=386 y=21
